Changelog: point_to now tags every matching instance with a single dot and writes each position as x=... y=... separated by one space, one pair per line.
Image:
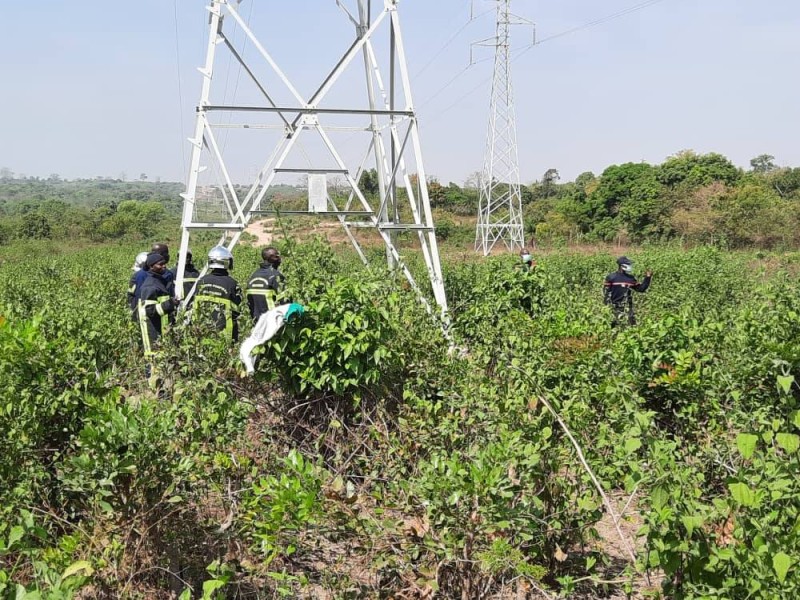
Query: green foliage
x=691 y=170
x=627 y=196
x=278 y=508
x=49 y=580
x=745 y=541
x=91 y=210
x=34 y=226
x=698 y=198
x=342 y=345
x=763 y=163
x=368 y=456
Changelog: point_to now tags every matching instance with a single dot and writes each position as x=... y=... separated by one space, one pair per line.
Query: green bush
x=343 y=344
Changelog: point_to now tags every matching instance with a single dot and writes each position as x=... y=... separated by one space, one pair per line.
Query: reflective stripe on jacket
x=220 y=295
x=155 y=310
x=263 y=288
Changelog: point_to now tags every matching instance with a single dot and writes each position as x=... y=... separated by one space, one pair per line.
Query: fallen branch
x=586 y=466
x=597 y=485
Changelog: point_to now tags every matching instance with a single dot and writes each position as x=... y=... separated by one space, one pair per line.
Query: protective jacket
x=219 y=296
x=190 y=276
x=132 y=292
x=263 y=288
x=617 y=292
x=156 y=310
x=140 y=277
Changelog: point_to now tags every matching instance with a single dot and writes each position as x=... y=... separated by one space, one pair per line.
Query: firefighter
x=265 y=284
x=138 y=266
x=617 y=291
x=156 y=306
x=190 y=275
x=168 y=276
x=218 y=294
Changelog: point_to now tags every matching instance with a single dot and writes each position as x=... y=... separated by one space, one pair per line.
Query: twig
x=155 y=568
x=586 y=466
x=628 y=503
x=540 y=590
x=597 y=485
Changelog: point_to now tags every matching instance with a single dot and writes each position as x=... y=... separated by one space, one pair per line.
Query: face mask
x=526 y=258
x=627 y=269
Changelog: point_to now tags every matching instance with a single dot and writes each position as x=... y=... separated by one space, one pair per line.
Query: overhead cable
x=451 y=39
x=522 y=51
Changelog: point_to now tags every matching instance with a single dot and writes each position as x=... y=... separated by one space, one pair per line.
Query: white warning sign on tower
x=317 y=192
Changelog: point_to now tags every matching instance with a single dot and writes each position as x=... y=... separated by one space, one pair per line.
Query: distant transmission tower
x=500 y=210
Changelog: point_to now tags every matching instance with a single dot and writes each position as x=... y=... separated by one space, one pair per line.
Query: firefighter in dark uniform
x=265 y=284
x=168 y=276
x=618 y=291
x=218 y=295
x=156 y=306
x=190 y=275
x=138 y=266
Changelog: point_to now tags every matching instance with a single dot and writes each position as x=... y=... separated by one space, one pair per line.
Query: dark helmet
x=153 y=259
x=625 y=263
x=161 y=249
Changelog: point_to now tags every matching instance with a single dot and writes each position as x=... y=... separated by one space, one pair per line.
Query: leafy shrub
x=279 y=508
x=745 y=542
x=343 y=344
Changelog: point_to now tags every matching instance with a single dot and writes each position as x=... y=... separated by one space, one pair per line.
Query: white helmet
x=219 y=257
x=138 y=262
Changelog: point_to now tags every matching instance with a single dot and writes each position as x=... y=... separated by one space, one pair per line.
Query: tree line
x=692 y=197
x=93 y=210
x=696 y=198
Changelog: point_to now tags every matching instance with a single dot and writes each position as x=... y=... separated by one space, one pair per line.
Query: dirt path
x=262 y=231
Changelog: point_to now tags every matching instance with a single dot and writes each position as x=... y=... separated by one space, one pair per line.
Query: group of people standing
x=215 y=297
x=618 y=288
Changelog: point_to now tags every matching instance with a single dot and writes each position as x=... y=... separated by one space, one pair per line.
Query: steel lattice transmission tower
x=500 y=210
x=363 y=96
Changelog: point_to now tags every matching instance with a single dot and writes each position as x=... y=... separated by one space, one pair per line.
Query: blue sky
x=91 y=88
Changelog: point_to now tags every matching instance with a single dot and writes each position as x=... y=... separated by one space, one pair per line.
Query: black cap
x=624 y=260
x=153 y=259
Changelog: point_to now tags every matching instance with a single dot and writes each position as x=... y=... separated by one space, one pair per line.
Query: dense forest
x=697 y=199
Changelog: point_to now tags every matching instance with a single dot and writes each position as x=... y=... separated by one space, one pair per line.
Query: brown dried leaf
x=560 y=555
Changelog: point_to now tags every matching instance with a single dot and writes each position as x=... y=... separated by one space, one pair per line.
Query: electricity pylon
x=500 y=210
x=385 y=119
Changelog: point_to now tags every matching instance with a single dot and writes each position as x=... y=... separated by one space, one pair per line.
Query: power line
x=525 y=49
x=444 y=87
x=590 y=24
x=451 y=39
